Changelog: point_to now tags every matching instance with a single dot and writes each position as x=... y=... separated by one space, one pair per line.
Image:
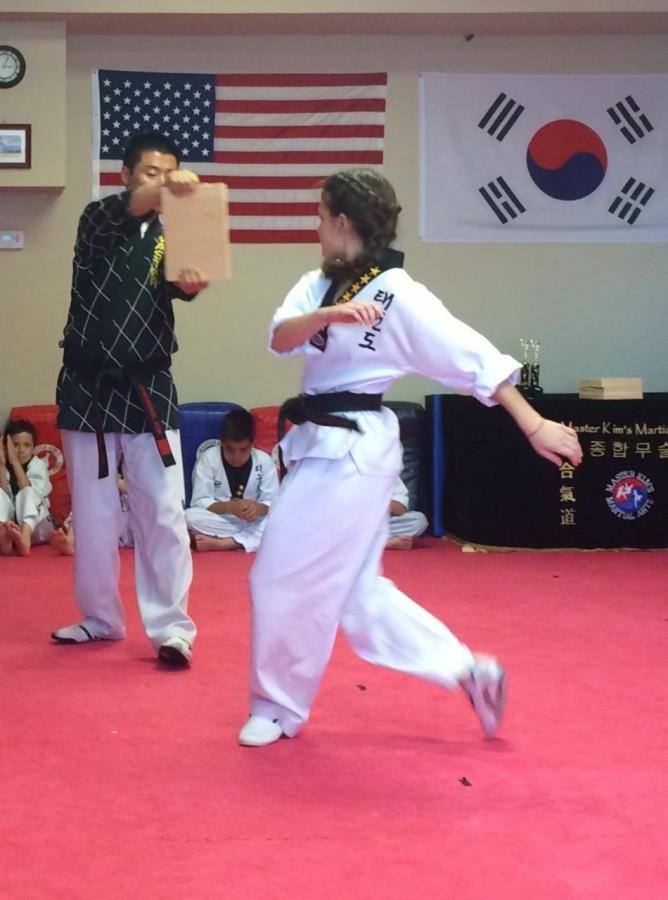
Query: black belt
x=136 y=376
x=318 y=408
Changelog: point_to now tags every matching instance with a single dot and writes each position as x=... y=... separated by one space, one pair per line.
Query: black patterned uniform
x=120 y=318
x=117 y=348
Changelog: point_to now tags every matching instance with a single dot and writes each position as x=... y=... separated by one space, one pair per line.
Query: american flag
x=270 y=138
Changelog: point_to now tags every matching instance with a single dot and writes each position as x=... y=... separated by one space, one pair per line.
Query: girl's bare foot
x=401 y=542
x=6 y=545
x=204 y=542
x=62 y=542
x=18 y=538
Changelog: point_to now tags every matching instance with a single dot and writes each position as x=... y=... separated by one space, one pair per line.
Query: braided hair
x=369 y=201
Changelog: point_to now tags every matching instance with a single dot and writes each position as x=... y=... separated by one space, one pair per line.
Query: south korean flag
x=544 y=158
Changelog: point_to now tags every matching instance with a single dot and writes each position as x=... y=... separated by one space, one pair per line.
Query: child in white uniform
x=405 y=524
x=233 y=487
x=361 y=322
x=24 y=491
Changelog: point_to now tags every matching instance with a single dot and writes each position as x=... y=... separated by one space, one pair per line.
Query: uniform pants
x=163 y=564
x=27 y=508
x=318 y=569
x=203 y=521
x=411 y=524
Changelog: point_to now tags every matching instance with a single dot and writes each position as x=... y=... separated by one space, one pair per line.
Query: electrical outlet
x=11 y=240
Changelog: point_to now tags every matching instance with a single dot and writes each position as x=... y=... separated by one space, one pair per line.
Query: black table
x=487 y=486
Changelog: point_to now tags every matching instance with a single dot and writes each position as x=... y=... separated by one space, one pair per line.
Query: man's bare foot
x=63 y=542
x=401 y=542
x=204 y=542
x=19 y=539
x=6 y=545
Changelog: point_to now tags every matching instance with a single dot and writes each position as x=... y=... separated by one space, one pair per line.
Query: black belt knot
x=136 y=375
x=319 y=409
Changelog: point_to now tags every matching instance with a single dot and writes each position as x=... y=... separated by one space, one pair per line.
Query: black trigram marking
x=633 y=198
x=501 y=116
x=502 y=200
x=319 y=339
x=632 y=123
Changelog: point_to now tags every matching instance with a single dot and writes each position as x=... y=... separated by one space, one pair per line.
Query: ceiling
x=361 y=23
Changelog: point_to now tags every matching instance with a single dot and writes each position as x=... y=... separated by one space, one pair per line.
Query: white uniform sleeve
x=268 y=482
x=444 y=348
x=203 y=494
x=400 y=494
x=305 y=297
x=38 y=475
x=9 y=490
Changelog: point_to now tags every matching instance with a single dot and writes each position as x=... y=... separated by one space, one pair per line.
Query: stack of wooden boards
x=611 y=389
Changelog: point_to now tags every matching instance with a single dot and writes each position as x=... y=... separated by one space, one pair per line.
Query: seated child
x=62 y=539
x=405 y=524
x=233 y=487
x=24 y=491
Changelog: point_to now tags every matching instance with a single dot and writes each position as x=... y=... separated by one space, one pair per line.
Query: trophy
x=530 y=372
x=534 y=368
x=524 y=373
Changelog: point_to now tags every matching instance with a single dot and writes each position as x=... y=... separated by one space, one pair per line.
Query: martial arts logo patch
x=628 y=495
x=52 y=456
x=319 y=339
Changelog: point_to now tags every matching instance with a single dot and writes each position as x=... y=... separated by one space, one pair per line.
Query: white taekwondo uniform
x=30 y=505
x=412 y=523
x=318 y=567
x=211 y=485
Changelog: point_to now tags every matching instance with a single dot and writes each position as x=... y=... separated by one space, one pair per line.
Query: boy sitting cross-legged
x=233 y=487
x=24 y=491
x=405 y=523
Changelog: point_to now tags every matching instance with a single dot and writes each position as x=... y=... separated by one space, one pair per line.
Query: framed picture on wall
x=14 y=147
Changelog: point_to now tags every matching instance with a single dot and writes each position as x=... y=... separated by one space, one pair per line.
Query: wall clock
x=12 y=66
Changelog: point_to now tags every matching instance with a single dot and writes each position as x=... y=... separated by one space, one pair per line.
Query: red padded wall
x=265 y=418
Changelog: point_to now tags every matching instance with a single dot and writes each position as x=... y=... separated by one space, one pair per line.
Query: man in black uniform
x=117 y=403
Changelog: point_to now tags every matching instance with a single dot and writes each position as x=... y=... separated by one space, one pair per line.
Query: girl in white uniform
x=225 y=515
x=24 y=491
x=361 y=322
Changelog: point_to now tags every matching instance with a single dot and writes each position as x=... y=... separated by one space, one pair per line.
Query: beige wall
x=598 y=309
x=38 y=100
x=271 y=7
